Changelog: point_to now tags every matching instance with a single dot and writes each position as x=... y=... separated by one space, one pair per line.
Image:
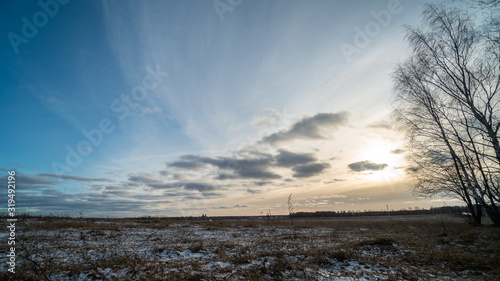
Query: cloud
x=333 y=196
x=232 y=168
x=266 y=121
x=188 y=162
x=381 y=124
x=246 y=168
x=233 y=207
x=251 y=163
x=150 y=180
x=309 y=127
x=261 y=183
x=32 y=182
x=333 y=181
x=76 y=178
x=397 y=151
x=94 y=203
x=412 y=169
x=366 y=166
x=253 y=191
x=309 y=170
x=198 y=186
x=289 y=159
x=259 y=168
x=115 y=187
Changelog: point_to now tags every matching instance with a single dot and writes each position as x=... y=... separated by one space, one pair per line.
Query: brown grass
x=403 y=248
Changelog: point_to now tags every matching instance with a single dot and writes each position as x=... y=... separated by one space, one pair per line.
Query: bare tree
x=446 y=102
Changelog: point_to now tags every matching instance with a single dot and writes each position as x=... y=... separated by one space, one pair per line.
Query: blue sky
x=129 y=108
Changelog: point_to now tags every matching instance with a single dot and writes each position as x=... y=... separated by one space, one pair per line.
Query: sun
x=382 y=152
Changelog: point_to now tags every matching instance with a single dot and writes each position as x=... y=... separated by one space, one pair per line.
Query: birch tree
x=446 y=102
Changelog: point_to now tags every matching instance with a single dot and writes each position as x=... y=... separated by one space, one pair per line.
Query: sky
x=183 y=108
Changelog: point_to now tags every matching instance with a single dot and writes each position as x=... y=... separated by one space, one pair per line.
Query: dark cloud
x=226 y=176
x=52 y=192
x=68 y=177
x=261 y=183
x=366 y=166
x=32 y=182
x=130 y=184
x=212 y=195
x=118 y=193
x=234 y=168
x=253 y=191
x=187 y=162
x=253 y=168
x=198 y=186
x=309 y=170
x=309 y=127
x=115 y=187
x=289 y=159
x=250 y=163
x=412 y=169
x=150 y=180
x=51 y=201
x=397 y=151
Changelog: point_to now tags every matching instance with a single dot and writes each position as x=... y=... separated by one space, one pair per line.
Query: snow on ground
x=217 y=251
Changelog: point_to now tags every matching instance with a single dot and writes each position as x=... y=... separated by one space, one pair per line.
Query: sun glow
x=380 y=152
x=383 y=152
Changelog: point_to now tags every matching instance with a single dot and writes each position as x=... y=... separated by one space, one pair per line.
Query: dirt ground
x=426 y=247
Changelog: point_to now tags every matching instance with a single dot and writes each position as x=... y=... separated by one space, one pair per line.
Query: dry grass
x=404 y=248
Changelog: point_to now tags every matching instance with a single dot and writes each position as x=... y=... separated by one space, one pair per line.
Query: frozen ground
x=405 y=248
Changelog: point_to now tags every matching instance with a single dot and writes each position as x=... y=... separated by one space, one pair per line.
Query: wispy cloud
x=266 y=121
x=381 y=124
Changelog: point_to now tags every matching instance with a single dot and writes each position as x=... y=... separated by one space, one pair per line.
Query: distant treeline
x=436 y=210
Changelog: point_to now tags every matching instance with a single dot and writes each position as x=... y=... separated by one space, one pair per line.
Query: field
x=427 y=247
